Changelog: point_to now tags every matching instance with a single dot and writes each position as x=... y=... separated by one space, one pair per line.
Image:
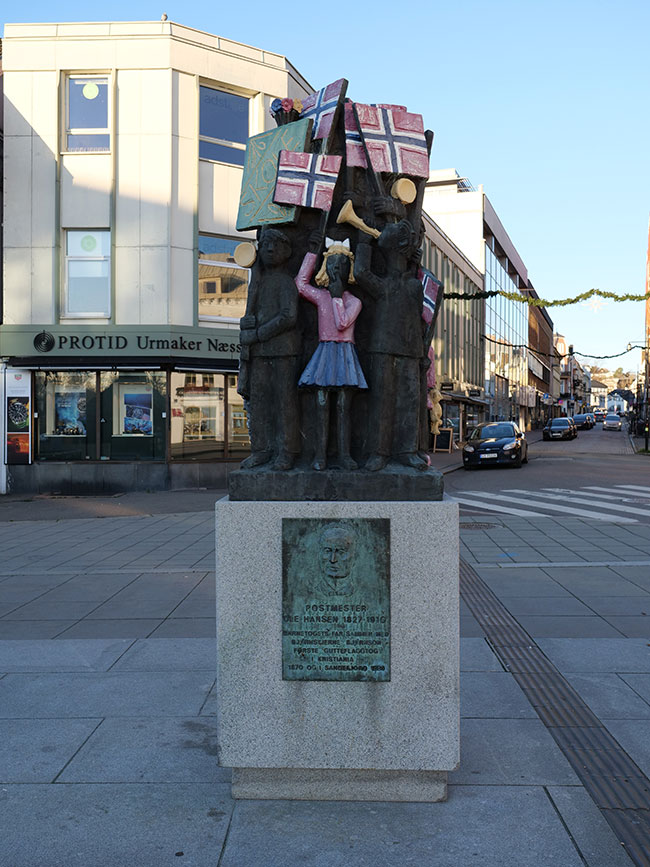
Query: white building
x=468 y=217
x=124 y=146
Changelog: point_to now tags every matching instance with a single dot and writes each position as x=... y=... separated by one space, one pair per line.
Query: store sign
x=18 y=417
x=474 y=392
x=446 y=386
x=114 y=341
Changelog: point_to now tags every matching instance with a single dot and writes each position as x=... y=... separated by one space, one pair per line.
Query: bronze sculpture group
x=335 y=339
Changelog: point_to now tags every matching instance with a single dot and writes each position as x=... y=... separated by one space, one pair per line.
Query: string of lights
x=566 y=354
x=542 y=302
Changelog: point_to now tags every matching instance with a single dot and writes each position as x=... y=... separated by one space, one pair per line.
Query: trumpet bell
x=347 y=215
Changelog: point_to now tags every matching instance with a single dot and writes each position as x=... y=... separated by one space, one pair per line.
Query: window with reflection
x=238 y=438
x=223 y=284
x=87 y=285
x=223 y=126
x=197 y=416
x=87 y=115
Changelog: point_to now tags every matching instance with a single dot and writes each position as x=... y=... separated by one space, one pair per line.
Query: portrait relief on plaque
x=336 y=599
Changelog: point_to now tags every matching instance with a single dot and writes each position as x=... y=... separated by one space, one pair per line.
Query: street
x=595 y=476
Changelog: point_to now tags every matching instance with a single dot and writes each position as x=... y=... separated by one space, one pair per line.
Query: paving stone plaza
x=107 y=699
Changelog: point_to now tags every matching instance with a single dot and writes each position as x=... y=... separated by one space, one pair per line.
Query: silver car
x=612 y=422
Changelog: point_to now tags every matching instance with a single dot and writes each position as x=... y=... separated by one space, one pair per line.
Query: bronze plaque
x=336 y=599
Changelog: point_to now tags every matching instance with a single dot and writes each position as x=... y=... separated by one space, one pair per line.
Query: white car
x=612 y=422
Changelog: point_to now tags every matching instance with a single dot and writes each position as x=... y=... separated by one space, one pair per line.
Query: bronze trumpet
x=347 y=215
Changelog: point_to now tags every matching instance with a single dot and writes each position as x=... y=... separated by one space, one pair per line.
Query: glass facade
x=506 y=339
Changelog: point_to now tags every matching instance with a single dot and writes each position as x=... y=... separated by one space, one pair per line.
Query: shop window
x=197 y=416
x=223 y=126
x=65 y=415
x=223 y=284
x=133 y=415
x=87 y=286
x=87 y=114
x=238 y=438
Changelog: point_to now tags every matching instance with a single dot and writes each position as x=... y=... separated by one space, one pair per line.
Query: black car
x=498 y=442
x=560 y=429
x=583 y=421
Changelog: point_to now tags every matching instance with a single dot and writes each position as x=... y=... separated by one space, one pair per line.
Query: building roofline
x=143 y=29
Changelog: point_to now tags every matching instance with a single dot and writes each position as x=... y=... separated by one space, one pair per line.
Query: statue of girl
x=334 y=367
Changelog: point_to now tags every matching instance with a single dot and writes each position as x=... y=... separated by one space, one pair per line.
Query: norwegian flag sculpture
x=432 y=296
x=321 y=107
x=394 y=138
x=306 y=179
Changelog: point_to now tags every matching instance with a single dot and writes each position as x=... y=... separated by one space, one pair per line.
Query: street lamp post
x=646 y=417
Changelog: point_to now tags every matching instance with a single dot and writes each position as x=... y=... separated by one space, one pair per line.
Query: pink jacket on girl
x=336 y=316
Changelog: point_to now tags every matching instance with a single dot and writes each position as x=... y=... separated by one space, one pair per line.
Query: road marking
x=567 y=510
x=508 y=510
x=635 y=487
x=624 y=496
x=629 y=509
x=623 y=489
x=568 y=564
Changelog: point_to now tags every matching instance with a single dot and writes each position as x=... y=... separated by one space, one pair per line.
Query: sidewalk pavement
x=107 y=702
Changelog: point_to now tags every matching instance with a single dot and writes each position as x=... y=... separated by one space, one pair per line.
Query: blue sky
x=544 y=103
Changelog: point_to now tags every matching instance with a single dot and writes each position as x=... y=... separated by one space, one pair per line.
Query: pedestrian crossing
x=620 y=504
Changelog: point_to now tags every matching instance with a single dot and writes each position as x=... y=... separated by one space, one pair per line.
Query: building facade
x=119 y=343
x=458 y=352
x=574 y=388
x=467 y=216
x=541 y=357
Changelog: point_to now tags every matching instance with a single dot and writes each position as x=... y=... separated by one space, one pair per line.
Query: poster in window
x=137 y=413
x=70 y=413
x=18 y=417
x=18 y=448
x=18 y=414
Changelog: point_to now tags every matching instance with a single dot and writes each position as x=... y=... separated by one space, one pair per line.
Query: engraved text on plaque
x=336 y=599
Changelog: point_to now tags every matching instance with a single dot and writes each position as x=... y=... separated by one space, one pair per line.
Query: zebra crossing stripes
x=597 y=506
x=625 y=497
x=629 y=489
x=494 y=508
x=568 y=499
x=529 y=500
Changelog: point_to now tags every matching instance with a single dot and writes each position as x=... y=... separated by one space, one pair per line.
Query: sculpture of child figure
x=334 y=367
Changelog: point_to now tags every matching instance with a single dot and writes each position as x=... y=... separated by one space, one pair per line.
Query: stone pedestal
x=328 y=739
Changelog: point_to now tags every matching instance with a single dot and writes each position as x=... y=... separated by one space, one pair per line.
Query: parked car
x=612 y=422
x=583 y=421
x=560 y=429
x=499 y=442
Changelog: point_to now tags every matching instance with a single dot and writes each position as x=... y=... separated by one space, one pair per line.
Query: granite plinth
x=281 y=736
x=394 y=483
x=297 y=784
